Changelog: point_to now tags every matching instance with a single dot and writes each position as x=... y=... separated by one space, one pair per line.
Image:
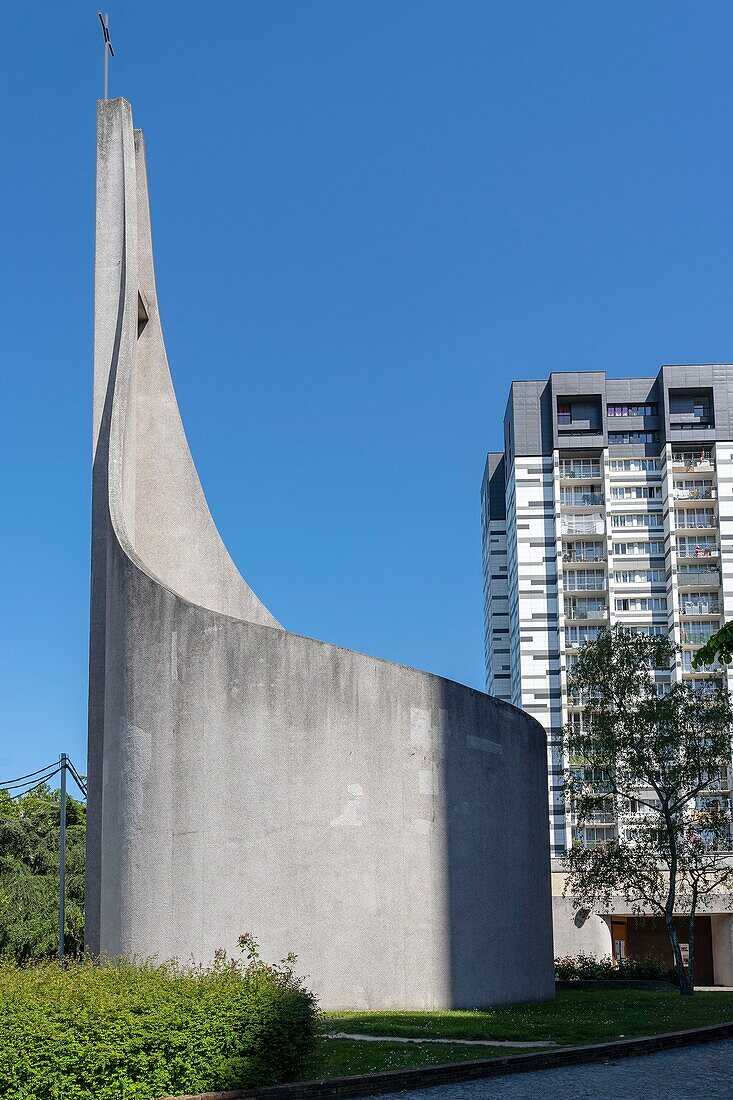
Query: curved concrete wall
x=387 y=825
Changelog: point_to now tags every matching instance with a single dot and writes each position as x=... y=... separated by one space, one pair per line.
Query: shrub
x=588 y=968
x=131 y=1031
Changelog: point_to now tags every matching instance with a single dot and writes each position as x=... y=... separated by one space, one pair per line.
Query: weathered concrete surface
x=387 y=825
x=579 y=931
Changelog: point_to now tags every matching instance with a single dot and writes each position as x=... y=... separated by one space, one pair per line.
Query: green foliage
x=589 y=968
x=719 y=647
x=647 y=760
x=139 y=1030
x=29 y=874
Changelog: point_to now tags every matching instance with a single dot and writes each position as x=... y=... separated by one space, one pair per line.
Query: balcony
x=596 y=613
x=701 y=523
x=697 y=551
x=705 y=576
x=581 y=500
x=682 y=461
x=587 y=557
x=700 y=607
x=704 y=493
x=582 y=525
x=579 y=473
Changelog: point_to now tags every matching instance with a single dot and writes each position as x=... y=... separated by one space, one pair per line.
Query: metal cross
x=107 y=47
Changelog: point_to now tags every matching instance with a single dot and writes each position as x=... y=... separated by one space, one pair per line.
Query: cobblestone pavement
x=704 y=1071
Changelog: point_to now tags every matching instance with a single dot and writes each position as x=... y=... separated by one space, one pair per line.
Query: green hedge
x=589 y=968
x=129 y=1031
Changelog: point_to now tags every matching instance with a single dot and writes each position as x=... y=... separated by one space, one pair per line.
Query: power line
x=22 y=794
x=6 y=782
x=30 y=783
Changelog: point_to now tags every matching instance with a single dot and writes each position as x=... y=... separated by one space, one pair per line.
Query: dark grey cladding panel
x=494 y=484
x=717 y=377
x=590 y=384
x=632 y=391
x=528 y=420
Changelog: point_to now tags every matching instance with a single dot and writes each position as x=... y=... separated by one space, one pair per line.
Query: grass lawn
x=349 y=1057
x=572 y=1018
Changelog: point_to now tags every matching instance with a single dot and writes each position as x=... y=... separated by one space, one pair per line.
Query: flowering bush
x=137 y=1030
x=589 y=968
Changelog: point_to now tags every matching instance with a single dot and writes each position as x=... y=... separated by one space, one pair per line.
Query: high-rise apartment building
x=611 y=503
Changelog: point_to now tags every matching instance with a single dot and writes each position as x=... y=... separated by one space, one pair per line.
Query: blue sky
x=369 y=216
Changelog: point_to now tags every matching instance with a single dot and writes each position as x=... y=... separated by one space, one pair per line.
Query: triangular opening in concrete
x=142 y=315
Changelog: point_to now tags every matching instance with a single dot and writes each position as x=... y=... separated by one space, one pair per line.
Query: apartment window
x=638 y=549
x=564 y=413
x=633 y=437
x=594 y=834
x=636 y=492
x=695 y=517
x=579 y=498
x=584 y=551
x=582 y=580
x=579 y=635
x=642 y=603
x=637 y=519
x=703 y=573
x=640 y=576
x=580 y=467
x=634 y=465
x=633 y=410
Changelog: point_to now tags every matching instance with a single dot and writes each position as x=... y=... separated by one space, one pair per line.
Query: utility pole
x=62 y=856
x=107 y=49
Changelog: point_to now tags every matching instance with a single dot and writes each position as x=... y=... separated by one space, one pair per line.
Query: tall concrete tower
x=387 y=825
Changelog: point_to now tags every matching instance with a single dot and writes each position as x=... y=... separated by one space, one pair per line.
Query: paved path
x=695 y=1073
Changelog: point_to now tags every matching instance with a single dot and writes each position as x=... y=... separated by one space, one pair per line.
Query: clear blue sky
x=369 y=216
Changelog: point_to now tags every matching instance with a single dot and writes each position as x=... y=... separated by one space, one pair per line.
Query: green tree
x=648 y=758
x=719 y=647
x=29 y=874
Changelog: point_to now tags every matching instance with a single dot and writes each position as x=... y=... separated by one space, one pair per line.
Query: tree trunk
x=691 y=938
x=685 y=987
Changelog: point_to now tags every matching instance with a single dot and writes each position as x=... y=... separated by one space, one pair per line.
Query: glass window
x=634 y=465
x=633 y=437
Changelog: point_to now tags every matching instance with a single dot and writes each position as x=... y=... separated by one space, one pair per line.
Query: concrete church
x=387 y=825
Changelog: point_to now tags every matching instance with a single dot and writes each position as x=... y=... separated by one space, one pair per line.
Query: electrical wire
x=7 y=782
x=79 y=781
x=31 y=783
x=37 y=778
x=22 y=794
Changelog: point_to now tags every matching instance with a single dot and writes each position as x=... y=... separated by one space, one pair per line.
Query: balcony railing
x=696 y=523
x=705 y=574
x=694 y=494
x=581 y=500
x=579 y=473
x=697 y=551
x=688 y=462
x=582 y=525
x=586 y=613
x=585 y=556
x=700 y=607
